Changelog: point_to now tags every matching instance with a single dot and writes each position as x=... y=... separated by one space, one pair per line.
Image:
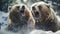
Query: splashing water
x=4 y=21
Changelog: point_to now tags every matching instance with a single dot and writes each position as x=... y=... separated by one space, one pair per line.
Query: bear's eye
x=18 y=7
x=33 y=8
x=39 y=7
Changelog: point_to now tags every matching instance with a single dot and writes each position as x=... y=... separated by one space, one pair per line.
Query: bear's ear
x=9 y=8
x=48 y=5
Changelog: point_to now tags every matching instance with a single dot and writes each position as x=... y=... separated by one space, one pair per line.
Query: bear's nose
x=33 y=8
x=23 y=7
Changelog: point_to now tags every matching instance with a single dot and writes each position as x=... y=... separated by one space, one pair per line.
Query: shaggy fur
x=20 y=17
x=45 y=17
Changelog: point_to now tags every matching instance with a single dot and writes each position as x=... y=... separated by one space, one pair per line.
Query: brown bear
x=20 y=17
x=45 y=17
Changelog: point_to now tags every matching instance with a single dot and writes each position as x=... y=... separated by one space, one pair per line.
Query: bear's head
x=20 y=9
x=18 y=16
x=41 y=10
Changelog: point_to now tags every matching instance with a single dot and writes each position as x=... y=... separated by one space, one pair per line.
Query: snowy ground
x=3 y=24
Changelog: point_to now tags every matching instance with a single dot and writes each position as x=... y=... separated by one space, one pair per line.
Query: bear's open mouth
x=22 y=9
x=36 y=15
x=22 y=12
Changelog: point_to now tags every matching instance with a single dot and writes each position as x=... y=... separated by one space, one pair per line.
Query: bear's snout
x=22 y=9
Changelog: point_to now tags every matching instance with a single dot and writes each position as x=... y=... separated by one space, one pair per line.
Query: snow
x=3 y=19
x=3 y=24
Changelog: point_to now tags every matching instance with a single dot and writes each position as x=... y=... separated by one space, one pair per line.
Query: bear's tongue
x=23 y=14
